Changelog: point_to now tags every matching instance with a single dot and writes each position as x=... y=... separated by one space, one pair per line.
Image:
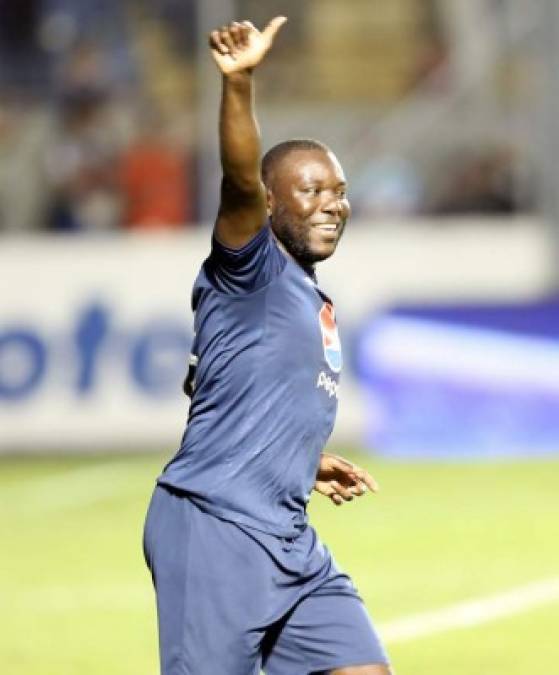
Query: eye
x=314 y=191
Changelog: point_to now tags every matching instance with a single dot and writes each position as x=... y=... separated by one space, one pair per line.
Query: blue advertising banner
x=462 y=381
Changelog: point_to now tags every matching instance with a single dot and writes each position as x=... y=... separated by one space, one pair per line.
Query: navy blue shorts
x=234 y=600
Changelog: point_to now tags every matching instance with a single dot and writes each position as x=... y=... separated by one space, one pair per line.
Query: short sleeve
x=247 y=269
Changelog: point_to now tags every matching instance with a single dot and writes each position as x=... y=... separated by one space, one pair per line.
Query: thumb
x=273 y=27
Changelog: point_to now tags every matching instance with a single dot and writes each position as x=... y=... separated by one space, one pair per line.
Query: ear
x=270 y=202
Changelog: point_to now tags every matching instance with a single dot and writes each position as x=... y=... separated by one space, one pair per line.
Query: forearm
x=238 y=49
x=239 y=135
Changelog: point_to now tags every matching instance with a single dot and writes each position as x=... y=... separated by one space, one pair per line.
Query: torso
x=264 y=398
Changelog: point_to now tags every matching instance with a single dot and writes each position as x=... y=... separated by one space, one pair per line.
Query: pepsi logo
x=330 y=337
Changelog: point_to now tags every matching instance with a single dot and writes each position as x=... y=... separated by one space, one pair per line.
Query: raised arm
x=238 y=49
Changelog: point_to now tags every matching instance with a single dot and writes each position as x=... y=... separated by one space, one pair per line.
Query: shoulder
x=246 y=269
x=257 y=245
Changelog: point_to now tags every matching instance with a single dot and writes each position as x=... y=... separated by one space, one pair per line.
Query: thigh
x=329 y=629
x=194 y=558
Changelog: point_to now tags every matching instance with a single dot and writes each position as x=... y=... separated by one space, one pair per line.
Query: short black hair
x=276 y=154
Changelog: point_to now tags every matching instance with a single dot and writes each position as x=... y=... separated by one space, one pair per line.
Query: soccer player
x=242 y=581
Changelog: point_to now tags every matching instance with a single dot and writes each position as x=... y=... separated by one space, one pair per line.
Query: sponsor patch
x=330 y=337
x=327 y=383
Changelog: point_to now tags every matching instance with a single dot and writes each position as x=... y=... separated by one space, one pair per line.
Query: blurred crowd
x=94 y=121
x=491 y=180
x=97 y=116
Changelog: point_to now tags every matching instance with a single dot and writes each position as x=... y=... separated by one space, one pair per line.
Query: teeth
x=327 y=228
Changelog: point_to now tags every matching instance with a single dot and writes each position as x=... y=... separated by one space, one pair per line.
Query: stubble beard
x=295 y=235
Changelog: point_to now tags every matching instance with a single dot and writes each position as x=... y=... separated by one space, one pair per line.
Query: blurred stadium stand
x=432 y=106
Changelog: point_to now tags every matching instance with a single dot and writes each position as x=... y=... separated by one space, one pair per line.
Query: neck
x=309 y=268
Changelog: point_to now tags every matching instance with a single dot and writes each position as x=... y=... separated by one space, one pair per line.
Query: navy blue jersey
x=263 y=380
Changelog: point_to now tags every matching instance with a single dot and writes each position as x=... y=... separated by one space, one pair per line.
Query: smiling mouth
x=327 y=227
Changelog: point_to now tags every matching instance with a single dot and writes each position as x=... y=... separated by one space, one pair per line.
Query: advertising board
x=95 y=331
x=462 y=381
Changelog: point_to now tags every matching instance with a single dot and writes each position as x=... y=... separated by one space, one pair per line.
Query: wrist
x=238 y=78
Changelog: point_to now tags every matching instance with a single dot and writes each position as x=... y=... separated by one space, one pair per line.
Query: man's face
x=308 y=204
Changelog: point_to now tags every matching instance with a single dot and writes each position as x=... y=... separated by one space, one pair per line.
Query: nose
x=335 y=205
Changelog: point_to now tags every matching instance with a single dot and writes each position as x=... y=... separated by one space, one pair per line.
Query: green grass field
x=76 y=598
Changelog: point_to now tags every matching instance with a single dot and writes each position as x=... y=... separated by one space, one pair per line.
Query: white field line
x=66 y=489
x=473 y=612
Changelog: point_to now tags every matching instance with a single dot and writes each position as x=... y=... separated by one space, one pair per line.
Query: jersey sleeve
x=247 y=269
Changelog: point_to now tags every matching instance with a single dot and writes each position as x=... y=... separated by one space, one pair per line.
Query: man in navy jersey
x=242 y=581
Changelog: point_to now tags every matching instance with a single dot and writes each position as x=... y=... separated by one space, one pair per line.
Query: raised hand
x=240 y=46
x=341 y=480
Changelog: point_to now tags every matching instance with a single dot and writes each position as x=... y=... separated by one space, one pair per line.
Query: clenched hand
x=240 y=46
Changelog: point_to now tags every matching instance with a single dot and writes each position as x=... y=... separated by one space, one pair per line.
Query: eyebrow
x=316 y=181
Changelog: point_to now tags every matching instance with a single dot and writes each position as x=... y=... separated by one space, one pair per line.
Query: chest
x=301 y=326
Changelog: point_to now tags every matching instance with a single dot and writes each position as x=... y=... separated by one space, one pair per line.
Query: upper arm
x=242 y=212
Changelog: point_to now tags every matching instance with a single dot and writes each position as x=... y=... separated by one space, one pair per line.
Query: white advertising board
x=95 y=332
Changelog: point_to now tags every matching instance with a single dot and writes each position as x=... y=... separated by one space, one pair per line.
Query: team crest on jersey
x=330 y=337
